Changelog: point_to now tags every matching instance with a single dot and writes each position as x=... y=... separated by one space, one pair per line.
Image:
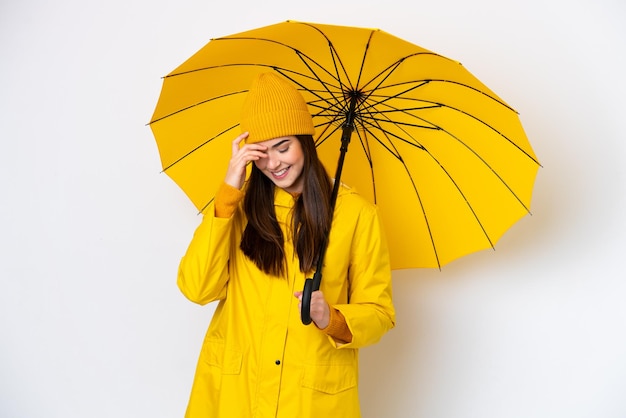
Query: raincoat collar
x=284 y=198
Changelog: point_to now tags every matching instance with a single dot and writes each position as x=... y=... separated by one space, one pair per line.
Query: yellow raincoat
x=258 y=360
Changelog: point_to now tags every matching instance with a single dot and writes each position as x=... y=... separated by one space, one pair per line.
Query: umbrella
x=444 y=158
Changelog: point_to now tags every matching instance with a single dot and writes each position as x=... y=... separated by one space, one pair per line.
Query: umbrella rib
x=394 y=66
x=365 y=146
x=397 y=154
x=326 y=134
x=494 y=172
x=376 y=122
x=435 y=104
x=450 y=177
x=306 y=60
x=368 y=154
x=244 y=38
x=198 y=147
x=509 y=140
x=469 y=205
x=409 y=175
x=436 y=80
x=495 y=99
x=284 y=71
x=330 y=102
x=205 y=206
x=421 y=83
x=365 y=51
x=337 y=63
x=196 y=104
x=333 y=53
x=335 y=56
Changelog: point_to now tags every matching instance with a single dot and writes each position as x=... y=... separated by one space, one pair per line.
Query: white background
x=91 y=322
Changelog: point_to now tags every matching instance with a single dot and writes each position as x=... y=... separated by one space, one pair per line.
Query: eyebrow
x=278 y=144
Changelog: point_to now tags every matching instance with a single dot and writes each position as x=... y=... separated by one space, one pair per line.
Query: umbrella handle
x=305 y=311
x=310 y=286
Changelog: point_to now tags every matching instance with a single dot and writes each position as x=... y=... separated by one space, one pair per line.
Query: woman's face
x=284 y=163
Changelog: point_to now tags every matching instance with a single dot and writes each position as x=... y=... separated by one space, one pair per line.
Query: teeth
x=280 y=173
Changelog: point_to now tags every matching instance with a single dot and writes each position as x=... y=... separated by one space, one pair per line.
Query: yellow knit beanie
x=273 y=109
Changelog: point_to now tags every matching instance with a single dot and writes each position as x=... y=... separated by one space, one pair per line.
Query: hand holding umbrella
x=319 y=310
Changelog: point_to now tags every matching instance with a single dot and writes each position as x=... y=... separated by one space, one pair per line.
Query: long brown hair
x=262 y=240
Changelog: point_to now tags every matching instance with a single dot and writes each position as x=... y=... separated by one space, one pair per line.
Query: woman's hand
x=320 y=310
x=236 y=174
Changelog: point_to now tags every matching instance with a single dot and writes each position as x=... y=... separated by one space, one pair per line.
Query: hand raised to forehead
x=240 y=158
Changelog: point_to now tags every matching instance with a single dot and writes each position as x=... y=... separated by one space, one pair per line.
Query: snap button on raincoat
x=258 y=360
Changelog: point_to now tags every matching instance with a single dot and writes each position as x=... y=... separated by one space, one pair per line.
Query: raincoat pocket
x=216 y=354
x=330 y=378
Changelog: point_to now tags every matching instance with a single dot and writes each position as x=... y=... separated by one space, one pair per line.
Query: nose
x=272 y=161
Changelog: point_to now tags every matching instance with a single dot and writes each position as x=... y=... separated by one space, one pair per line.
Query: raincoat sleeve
x=203 y=271
x=369 y=312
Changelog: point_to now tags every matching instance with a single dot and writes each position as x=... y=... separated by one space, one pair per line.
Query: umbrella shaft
x=348 y=127
x=312 y=285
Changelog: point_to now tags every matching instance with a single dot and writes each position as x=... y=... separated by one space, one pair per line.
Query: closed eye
x=284 y=144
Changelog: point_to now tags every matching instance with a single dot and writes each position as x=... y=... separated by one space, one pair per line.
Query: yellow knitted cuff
x=338 y=327
x=226 y=200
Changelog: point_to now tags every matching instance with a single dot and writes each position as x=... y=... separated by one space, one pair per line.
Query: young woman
x=252 y=252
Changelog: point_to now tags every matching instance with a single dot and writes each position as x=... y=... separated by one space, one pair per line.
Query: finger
x=254 y=152
x=235 y=144
x=317 y=295
x=317 y=303
x=253 y=147
x=246 y=154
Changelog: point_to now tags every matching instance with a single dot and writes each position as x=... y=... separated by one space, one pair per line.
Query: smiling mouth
x=281 y=173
